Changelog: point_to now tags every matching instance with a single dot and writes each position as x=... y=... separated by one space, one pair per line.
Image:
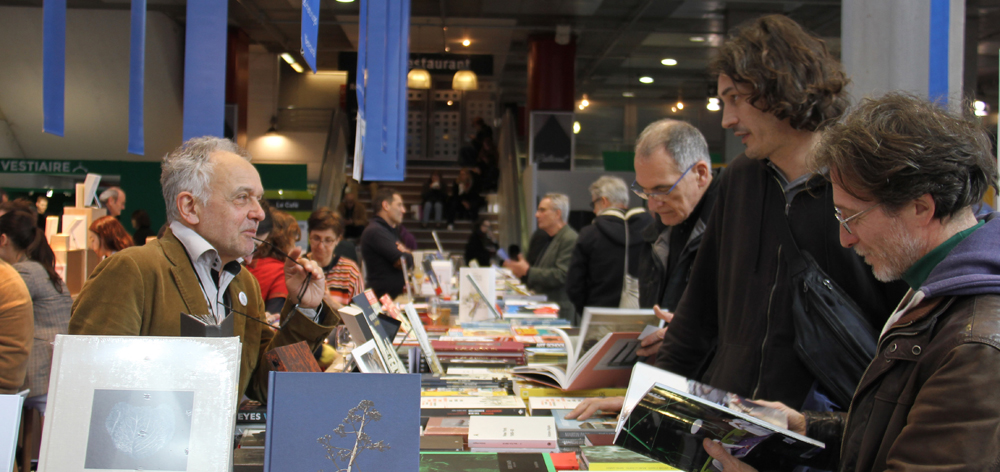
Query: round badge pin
x=243 y=298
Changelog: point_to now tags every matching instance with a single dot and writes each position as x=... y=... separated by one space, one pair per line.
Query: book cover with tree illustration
x=343 y=422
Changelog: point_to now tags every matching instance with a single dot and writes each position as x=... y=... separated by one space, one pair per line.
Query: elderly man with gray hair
x=605 y=248
x=547 y=273
x=114 y=200
x=213 y=198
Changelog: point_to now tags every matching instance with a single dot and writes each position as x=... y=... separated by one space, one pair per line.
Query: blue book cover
x=330 y=422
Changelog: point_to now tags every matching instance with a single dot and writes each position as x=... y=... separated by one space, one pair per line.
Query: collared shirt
x=917 y=274
x=205 y=259
x=790 y=188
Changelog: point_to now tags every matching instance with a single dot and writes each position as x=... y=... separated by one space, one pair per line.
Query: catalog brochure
x=668 y=420
x=606 y=364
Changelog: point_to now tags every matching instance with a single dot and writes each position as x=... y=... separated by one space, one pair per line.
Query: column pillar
x=911 y=45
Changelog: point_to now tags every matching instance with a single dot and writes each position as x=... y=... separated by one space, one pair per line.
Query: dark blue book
x=329 y=422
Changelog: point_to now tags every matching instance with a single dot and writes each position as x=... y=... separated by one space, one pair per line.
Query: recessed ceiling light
x=646 y=79
x=669 y=62
x=345 y=1
x=466 y=42
x=446 y=49
x=576 y=127
x=697 y=39
x=628 y=94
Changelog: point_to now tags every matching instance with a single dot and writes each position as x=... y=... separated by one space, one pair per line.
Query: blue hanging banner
x=205 y=68
x=136 y=79
x=54 y=66
x=383 y=53
x=310 y=31
x=937 y=54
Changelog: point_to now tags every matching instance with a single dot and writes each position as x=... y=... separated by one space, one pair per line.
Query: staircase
x=452 y=241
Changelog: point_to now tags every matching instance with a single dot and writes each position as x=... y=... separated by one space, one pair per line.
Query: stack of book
x=493 y=353
x=572 y=432
x=614 y=458
x=512 y=434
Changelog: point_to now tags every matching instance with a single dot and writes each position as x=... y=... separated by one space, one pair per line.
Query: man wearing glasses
x=733 y=328
x=907 y=178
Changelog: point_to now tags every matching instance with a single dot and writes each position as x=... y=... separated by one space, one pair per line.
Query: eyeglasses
x=660 y=196
x=843 y=221
x=318 y=241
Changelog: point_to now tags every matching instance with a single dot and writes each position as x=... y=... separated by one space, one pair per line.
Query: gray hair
x=110 y=193
x=189 y=168
x=682 y=140
x=560 y=202
x=612 y=188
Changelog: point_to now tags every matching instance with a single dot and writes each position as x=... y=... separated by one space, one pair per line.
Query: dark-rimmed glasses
x=659 y=196
x=843 y=221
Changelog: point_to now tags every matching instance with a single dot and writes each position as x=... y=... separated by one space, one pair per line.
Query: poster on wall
x=551 y=140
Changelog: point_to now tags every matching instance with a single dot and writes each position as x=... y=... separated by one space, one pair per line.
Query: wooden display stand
x=77 y=261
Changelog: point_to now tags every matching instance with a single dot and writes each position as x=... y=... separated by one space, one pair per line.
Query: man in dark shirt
x=733 y=328
x=380 y=245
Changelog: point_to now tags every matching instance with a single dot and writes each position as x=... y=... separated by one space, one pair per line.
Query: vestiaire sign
x=31 y=166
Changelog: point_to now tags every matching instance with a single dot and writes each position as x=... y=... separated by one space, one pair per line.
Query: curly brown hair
x=791 y=72
x=898 y=147
x=111 y=233
x=284 y=233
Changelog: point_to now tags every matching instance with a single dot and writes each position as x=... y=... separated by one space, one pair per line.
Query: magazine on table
x=665 y=417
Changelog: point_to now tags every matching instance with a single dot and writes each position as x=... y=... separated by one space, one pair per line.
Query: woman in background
x=23 y=245
x=343 y=277
x=107 y=236
x=268 y=264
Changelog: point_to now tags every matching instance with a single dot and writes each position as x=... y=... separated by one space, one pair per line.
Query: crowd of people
x=885 y=201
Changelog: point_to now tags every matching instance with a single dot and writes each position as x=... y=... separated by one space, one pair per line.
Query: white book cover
x=10 y=422
x=474 y=305
x=443 y=270
x=75 y=226
x=553 y=403
x=141 y=403
x=457 y=402
x=512 y=432
x=425 y=343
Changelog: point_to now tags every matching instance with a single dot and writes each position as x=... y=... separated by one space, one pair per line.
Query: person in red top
x=343 y=277
x=268 y=265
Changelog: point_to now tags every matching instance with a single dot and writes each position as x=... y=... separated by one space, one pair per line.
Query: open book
x=665 y=417
x=606 y=364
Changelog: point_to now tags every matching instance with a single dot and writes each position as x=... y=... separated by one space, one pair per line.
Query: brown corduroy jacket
x=142 y=291
x=17 y=329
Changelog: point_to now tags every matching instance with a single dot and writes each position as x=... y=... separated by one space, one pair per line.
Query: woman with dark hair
x=107 y=236
x=343 y=277
x=481 y=246
x=23 y=245
x=141 y=223
x=268 y=263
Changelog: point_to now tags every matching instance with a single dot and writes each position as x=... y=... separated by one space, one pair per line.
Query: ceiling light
x=673 y=109
x=48 y=194
x=288 y=58
x=576 y=127
x=450 y=103
x=447 y=48
x=979 y=108
x=713 y=106
x=680 y=105
x=466 y=42
x=345 y=1
x=581 y=106
x=584 y=103
x=418 y=79
x=465 y=80
x=646 y=79
x=697 y=39
x=628 y=94
x=669 y=62
x=297 y=67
